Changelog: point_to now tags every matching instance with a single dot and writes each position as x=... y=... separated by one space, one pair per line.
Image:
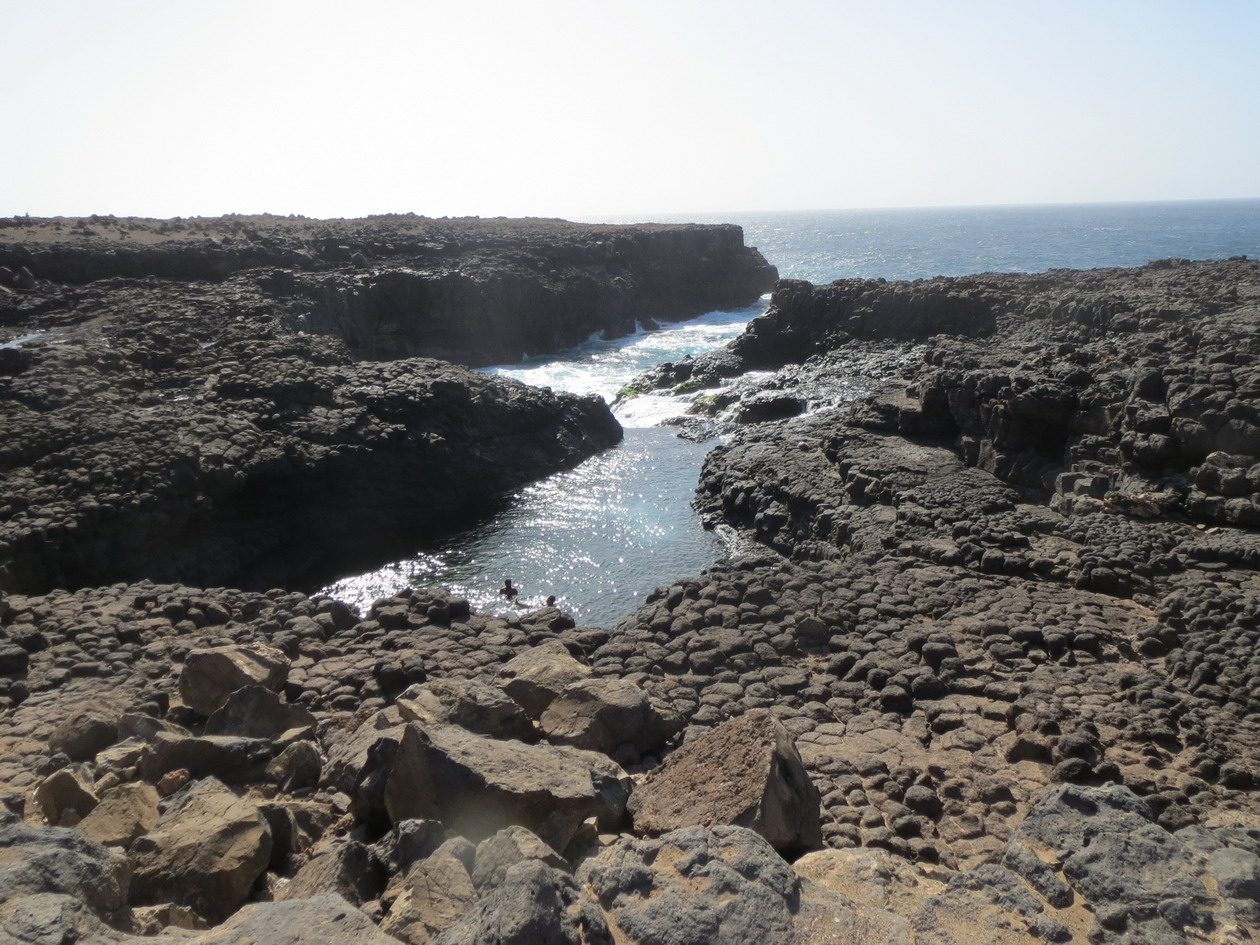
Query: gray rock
x=257 y=712
x=476 y=785
x=696 y=886
x=56 y=919
x=511 y=845
x=321 y=920
x=534 y=905
x=537 y=676
x=407 y=842
x=604 y=713
x=472 y=705
x=36 y=860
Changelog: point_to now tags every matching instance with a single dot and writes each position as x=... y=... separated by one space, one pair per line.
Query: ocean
x=600 y=537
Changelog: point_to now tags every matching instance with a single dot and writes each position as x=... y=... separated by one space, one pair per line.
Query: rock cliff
x=468 y=290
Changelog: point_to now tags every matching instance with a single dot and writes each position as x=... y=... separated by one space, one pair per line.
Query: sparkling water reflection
x=598 y=537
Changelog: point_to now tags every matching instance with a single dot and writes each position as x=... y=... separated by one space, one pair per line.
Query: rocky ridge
x=969 y=695
x=239 y=400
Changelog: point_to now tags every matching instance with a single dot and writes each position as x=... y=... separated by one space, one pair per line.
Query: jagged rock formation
x=1002 y=636
x=468 y=290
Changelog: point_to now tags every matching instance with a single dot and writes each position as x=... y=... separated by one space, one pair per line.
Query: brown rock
x=210 y=676
x=124 y=813
x=71 y=788
x=537 y=676
x=437 y=893
x=205 y=852
x=257 y=712
x=471 y=705
x=476 y=785
x=603 y=714
x=746 y=773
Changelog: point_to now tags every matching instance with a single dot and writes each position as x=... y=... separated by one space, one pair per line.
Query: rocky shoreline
x=993 y=678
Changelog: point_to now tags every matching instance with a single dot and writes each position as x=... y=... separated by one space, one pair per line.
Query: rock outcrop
x=393 y=286
x=994 y=639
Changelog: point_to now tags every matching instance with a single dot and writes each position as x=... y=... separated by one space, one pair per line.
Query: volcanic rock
x=744 y=773
x=477 y=785
x=206 y=852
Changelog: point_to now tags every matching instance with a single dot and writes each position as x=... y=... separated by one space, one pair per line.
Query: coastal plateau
x=991 y=674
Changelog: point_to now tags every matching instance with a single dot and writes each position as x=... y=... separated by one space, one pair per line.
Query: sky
x=582 y=108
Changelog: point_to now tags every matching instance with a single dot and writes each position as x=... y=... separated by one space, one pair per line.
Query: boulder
x=476 y=786
x=534 y=904
x=38 y=860
x=537 y=676
x=223 y=756
x=70 y=789
x=206 y=852
x=321 y=920
x=472 y=705
x=86 y=732
x=298 y=766
x=211 y=675
x=696 y=885
x=511 y=845
x=125 y=812
x=56 y=919
x=407 y=842
x=343 y=867
x=744 y=773
x=257 y=712
x=436 y=893
x=604 y=714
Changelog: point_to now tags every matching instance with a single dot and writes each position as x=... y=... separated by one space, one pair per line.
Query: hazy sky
x=583 y=107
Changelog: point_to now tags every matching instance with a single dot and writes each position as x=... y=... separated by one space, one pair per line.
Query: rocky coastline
x=991 y=677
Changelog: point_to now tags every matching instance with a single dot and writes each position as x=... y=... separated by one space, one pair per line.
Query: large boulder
x=341 y=866
x=38 y=860
x=89 y=730
x=222 y=756
x=472 y=705
x=321 y=920
x=211 y=675
x=606 y=714
x=534 y=905
x=696 y=886
x=534 y=678
x=125 y=812
x=511 y=845
x=206 y=852
x=476 y=786
x=257 y=712
x=744 y=773
x=68 y=791
x=436 y=893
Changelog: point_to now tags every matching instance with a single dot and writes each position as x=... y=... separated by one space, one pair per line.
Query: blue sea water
x=601 y=536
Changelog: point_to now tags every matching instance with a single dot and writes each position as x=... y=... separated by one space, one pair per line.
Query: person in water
x=507 y=590
x=551 y=601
